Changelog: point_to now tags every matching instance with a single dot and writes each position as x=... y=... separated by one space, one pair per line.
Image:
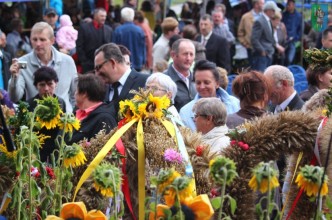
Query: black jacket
x=134 y=81
x=217 y=51
x=89 y=39
x=101 y=118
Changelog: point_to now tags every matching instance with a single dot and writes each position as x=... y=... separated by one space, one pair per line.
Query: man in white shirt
x=160 y=49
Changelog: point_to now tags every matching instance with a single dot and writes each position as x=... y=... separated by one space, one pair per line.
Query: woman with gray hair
x=210 y=119
x=161 y=84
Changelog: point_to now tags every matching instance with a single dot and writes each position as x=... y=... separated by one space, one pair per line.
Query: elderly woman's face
x=206 y=84
x=203 y=122
x=156 y=89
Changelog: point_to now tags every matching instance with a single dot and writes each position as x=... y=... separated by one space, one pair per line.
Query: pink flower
x=172 y=156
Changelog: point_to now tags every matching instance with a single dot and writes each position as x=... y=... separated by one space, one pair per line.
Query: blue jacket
x=187 y=115
x=293 y=23
x=132 y=36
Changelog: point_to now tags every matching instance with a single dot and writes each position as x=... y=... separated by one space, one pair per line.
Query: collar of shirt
x=266 y=17
x=82 y=114
x=122 y=81
x=185 y=79
x=207 y=37
x=256 y=15
x=50 y=63
x=285 y=103
x=96 y=25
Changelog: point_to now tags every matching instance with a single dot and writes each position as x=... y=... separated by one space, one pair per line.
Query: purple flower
x=172 y=156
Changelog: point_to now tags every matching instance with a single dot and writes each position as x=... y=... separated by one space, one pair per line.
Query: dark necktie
x=115 y=99
x=115 y=91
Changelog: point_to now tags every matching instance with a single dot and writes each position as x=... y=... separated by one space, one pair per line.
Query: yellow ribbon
x=141 y=170
x=141 y=158
x=287 y=197
x=169 y=127
x=102 y=153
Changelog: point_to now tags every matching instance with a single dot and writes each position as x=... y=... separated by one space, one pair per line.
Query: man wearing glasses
x=111 y=66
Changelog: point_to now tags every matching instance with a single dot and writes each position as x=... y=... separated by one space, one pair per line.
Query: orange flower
x=201 y=206
x=160 y=213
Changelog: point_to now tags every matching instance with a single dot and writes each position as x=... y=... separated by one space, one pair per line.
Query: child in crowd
x=66 y=36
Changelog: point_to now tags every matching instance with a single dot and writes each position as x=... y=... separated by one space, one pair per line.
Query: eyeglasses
x=199 y=115
x=98 y=67
x=155 y=88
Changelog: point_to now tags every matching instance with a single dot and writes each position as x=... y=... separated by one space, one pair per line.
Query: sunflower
x=156 y=105
x=3 y=149
x=264 y=178
x=310 y=178
x=71 y=123
x=48 y=112
x=128 y=109
x=73 y=156
x=160 y=102
x=185 y=187
x=142 y=109
x=263 y=186
x=222 y=169
x=166 y=178
x=107 y=179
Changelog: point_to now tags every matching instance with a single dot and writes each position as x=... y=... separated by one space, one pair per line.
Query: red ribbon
x=125 y=185
x=312 y=162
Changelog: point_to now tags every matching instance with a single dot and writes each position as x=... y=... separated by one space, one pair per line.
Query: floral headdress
x=318 y=57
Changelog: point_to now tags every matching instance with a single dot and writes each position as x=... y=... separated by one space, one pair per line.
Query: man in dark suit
x=111 y=66
x=91 y=36
x=217 y=49
x=262 y=38
x=283 y=97
x=183 y=55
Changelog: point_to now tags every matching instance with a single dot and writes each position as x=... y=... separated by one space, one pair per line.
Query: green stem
x=19 y=195
x=222 y=194
x=31 y=208
x=268 y=193
x=60 y=165
x=115 y=196
x=155 y=204
x=178 y=203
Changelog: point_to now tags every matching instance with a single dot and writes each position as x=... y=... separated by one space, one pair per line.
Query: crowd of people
x=188 y=63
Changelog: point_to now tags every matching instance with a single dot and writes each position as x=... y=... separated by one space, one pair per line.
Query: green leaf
x=152 y=206
x=258 y=209
x=35 y=189
x=328 y=202
x=153 y=181
x=216 y=203
x=233 y=204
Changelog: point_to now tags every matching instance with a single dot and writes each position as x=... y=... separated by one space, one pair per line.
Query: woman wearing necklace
x=253 y=91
